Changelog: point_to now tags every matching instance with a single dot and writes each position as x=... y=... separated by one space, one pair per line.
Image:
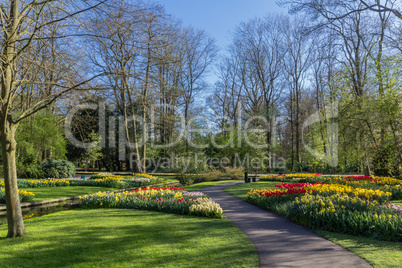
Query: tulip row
x=347 y=180
x=341 y=213
x=141 y=175
x=364 y=180
x=42 y=183
x=22 y=183
x=112 y=181
x=117 y=181
x=335 y=207
x=330 y=189
x=166 y=199
x=289 y=177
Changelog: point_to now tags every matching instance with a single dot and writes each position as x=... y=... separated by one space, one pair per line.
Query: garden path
x=280 y=243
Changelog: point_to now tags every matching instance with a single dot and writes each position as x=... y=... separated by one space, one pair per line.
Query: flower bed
x=116 y=181
x=24 y=196
x=42 y=183
x=300 y=177
x=336 y=207
x=166 y=199
x=364 y=180
x=331 y=189
x=141 y=175
x=112 y=181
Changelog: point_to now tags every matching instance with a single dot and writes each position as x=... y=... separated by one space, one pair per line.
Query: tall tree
x=297 y=64
x=199 y=53
x=24 y=27
x=325 y=8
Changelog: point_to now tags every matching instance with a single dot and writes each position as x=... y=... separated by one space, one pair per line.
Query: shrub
x=93 y=177
x=98 y=183
x=31 y=171
x=185 y=179
x=213 y=175
x=58 y=169
x=234 y=173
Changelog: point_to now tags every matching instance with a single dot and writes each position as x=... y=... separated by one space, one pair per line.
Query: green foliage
x=185 y=179
x=236 y=147
x=186 y=162
x=94 y=152
x=213 y=175
x=96 y=176
x=31 y=171
x=40 y=136
x=234 y=173
x=58 y=169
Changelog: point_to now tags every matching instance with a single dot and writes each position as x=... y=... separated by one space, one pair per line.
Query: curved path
x=280 y=243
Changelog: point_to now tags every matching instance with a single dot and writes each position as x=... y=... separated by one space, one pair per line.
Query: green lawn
x=199 y=186
x=397 y=202
x=127 y=238
x=169 y=179
x=241 y=190
x=377 y=253
x=44 y=193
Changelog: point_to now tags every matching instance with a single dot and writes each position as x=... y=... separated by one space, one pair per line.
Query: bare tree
x=326 y=8
x=226 y=98
x=168 y=60
x=24 y=26
x=199 y=53
x=297 y=64
x=116 y=52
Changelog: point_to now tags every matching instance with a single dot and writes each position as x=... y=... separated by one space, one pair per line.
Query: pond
x=43 y=210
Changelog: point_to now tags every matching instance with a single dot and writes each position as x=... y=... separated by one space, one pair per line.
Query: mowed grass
x=397 y=202
x=377 y=253
x=44 y=193
x=241 y=190
x=201 y=185
x=127 y=238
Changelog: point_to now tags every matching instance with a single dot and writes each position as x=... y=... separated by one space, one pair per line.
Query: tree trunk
x=14 y=215
x=144 y=110
x=8 y=128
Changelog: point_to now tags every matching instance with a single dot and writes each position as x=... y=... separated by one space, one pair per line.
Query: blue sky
x=219 y=17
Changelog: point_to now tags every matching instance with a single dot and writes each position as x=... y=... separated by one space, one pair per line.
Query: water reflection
x=42 y=210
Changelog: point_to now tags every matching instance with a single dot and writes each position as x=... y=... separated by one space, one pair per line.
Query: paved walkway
x=280 y=243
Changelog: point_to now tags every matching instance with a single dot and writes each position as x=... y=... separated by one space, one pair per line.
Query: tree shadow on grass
x=137 y=239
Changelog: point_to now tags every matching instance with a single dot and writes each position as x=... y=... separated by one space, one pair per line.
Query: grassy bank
x=377 y=253
x=241 y=190
x=200 y=186
x=127 y=238
x=45 y=193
